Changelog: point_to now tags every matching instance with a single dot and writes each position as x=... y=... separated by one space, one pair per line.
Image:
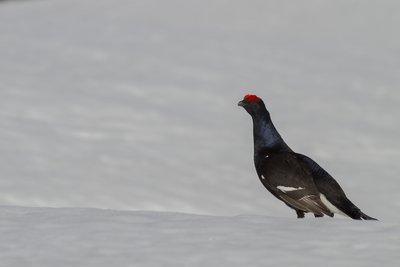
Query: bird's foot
x=300 y=214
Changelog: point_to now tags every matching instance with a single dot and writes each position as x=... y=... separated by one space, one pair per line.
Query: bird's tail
x=364 y=216
x=353 y=211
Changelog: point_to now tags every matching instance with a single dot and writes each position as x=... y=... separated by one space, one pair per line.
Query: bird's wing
x=310 y=203
x=290 y=180
x=331 y=190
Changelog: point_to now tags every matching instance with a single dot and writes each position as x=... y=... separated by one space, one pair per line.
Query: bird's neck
x=266 y=137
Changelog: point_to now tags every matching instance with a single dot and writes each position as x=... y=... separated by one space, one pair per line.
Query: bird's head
x=252 y=104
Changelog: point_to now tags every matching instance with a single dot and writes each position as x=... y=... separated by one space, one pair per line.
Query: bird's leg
x=300 y=214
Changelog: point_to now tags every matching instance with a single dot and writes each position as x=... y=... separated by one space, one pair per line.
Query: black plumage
x=292 y=177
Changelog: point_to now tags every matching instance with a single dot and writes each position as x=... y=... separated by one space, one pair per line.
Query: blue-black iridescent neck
x=266 y=138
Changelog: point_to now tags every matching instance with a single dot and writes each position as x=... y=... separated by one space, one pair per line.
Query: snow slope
x=89 y=237
x=132 y=104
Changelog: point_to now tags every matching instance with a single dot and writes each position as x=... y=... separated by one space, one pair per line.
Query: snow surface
x=132 y=105
x=89 y=237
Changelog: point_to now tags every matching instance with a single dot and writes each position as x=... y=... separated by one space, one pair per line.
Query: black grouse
x=292 y=177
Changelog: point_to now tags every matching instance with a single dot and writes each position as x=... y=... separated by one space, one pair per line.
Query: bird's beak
x=241 y=104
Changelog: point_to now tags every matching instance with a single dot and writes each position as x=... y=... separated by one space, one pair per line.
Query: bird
x=294 y=178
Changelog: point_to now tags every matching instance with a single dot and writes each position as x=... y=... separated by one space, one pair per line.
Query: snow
x=132 y=105
x=90 y=237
